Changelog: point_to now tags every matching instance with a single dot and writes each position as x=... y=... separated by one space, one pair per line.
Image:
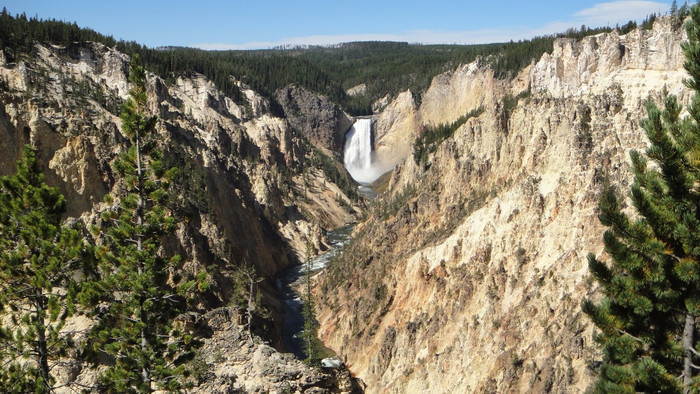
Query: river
x=290 y=279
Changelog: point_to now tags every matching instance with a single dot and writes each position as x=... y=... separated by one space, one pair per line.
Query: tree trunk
x=139 y=207
x=41 y=345
x=145 y=373
x=688 y=334
x=251 y=303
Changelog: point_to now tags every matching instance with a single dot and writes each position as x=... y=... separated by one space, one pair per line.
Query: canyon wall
x=469 y=274
x=247 y=191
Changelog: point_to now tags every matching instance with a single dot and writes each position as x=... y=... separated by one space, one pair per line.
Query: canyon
x=465 y=275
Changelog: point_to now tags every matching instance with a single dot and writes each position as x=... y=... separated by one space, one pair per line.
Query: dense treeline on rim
x=385 y=67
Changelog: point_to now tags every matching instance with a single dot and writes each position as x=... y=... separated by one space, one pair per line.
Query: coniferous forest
x=385 y=67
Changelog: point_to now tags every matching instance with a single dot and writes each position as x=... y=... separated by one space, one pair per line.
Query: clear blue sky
x=266 y=23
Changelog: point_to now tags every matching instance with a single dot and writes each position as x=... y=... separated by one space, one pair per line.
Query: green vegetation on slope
x=431 y=136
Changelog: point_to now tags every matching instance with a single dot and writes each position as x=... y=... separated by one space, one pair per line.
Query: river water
x=290 y=279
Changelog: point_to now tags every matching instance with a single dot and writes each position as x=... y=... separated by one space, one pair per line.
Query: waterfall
x=357 y=154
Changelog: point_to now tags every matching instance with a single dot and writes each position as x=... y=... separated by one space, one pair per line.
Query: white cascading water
x=357 y=154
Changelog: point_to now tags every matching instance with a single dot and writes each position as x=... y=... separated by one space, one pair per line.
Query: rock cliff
x=231 y=361
x=323 y=122
x=394 y=131
x=468 y=275
x=248 y=189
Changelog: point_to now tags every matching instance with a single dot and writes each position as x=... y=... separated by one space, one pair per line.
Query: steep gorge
x=469 y=273
x=249 y=191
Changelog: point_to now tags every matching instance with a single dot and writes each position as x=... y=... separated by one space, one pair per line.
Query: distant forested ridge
x=384 y=67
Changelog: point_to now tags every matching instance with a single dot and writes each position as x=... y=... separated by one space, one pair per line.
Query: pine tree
x=309 y=334
x=38 y=257
x=137 y=329
x=648 y=317
x=247 y=297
